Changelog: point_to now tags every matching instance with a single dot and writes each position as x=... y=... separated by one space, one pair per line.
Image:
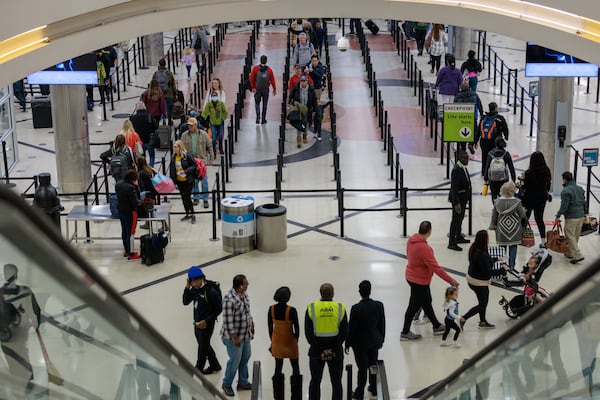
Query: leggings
x=450 y=324
x=293 y=361
x=483 y=296
x=538 y=213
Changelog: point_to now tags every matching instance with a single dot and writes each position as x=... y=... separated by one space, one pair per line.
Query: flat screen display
x=541 y=61
x=75 y=71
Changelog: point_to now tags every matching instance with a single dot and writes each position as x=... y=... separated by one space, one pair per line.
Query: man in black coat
x=144 y=125
x=366 y=333
x=459 y=196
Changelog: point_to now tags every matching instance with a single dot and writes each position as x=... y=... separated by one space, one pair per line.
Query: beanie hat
x=195 y=272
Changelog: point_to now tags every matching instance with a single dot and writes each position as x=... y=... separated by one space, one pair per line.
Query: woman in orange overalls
x=284 y=331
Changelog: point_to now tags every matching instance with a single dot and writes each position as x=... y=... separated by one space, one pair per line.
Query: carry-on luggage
x=164 y=134
x=150 y=254
x=372 y=26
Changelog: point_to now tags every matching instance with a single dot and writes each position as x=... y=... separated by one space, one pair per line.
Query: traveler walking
x=535 y=188
x=491 y=126
x=499 y=167
x=261 y=77
x=508 y=220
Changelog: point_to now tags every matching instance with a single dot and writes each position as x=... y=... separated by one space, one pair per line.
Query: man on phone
x=206 y=296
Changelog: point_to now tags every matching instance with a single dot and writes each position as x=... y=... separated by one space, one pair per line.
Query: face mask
x=214 y=99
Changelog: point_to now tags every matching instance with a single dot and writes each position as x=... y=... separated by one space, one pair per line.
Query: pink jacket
x=422 y=263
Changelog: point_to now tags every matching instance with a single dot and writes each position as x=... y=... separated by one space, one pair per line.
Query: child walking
x=453 y=317
x=188 y=59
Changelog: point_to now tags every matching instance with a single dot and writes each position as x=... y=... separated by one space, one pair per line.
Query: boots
x=305 y=138
x=299 y=141
x=278 y=386
x=296 y=383
x=221 y=148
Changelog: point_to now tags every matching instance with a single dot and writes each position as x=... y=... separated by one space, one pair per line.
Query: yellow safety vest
x=328 y=316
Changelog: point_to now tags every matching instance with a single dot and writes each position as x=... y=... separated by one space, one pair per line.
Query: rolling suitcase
x=372 y=27
x=150 y=254
x=164 y=134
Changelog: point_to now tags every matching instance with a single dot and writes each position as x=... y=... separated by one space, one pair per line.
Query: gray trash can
x=237 y=216
x=271 y=228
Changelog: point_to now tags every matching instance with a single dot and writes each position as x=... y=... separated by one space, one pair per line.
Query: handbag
x=139 y=150
x=163 y=184
x=556 y=240
x=154 y=141
x=528 y=240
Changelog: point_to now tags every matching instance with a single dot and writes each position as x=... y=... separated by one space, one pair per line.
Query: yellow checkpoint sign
x=459 y=122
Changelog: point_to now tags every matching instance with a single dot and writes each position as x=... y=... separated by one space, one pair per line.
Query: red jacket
x=422 y=263
x=253 y=77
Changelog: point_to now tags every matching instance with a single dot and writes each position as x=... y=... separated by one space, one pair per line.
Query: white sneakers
x=455 y=344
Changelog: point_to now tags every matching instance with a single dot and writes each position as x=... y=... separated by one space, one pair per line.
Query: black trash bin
x=271 y=228
x=41 y=109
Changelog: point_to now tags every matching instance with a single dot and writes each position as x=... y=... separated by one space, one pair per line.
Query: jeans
x=205 y=350
x=512 y=255
x=169 y=103
x=217 y=134
x=204 y=184
x=420 y=297
x=473 y=84
x=572 y=232
x=261 y=95
x=128 y=223
x=238 y=361
x=151 y=153
x=336 y=367
x=188 y=68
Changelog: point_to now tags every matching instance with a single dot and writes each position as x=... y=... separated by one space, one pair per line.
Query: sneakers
x=454 y=247
x=186 y=217
x=228 y=390
x=211 y=369
x=444 y=343
x=439 y=330
x=424 y=320
x=456 y=344
x=319 y=138
x=134 y=257
x=486 y=325
x=244 y=386
x=463 y=241
x=195 y=202
x=410 y=336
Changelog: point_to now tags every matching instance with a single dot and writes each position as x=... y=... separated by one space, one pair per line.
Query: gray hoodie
x=507 y=217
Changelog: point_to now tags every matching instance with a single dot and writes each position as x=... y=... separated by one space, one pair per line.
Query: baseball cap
x=195 y=272
x=303 y=78
x=192 y=121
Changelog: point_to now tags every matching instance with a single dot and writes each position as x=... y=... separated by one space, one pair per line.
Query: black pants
x=261 y=95
x=483 y=297
x=450 y=324
x=293 y=361
x=420 y=38
x=435 y=63
x=486 y=145
x=495 y=189
x=538 y=213
x=364 y=359
x=205 y=350
x=336 y=368
x=185 y=189
x=420 y=297
x=456 y=222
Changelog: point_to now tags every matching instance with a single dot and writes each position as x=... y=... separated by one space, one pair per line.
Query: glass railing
x=66 y=334
x=549 y=354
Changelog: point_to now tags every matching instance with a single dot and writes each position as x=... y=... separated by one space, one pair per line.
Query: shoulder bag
x=556 y=240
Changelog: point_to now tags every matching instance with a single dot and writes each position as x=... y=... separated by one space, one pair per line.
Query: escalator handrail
x=43 y=224
x=519 y=326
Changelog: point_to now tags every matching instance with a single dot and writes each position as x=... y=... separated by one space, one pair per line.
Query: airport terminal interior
x=95 y=356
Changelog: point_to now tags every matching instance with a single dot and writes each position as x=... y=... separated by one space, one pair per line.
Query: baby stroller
x=9 y=318
x=529 y=278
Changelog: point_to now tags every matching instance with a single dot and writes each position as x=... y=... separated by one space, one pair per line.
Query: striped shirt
x=236 y=316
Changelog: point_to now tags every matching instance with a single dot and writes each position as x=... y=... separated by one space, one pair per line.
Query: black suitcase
x=150 y=254
x=164 y=134
x=372 y=27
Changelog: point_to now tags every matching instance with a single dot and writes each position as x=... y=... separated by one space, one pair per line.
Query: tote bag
x=163 y=184
x=556 y=240
x=528 y=240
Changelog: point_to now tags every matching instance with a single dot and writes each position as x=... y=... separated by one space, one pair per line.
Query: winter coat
x=508 y=219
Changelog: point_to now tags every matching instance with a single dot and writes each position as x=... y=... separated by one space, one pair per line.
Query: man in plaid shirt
x=236 y=334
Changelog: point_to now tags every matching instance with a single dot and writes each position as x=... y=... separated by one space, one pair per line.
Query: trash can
x=271 y=228
x=237 y=217
x=41 y=110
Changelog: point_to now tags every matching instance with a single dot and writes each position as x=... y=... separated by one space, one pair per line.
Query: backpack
x=262 y=78
x=498 y=171
x=119 y=164
x=201 y=168
x=101 y=72
x=163 y=80
x=214 y=284
x=487 y=127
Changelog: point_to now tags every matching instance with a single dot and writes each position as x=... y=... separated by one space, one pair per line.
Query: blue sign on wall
x=590 y=158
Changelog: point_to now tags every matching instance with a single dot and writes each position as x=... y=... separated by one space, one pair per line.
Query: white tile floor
x=373 y=247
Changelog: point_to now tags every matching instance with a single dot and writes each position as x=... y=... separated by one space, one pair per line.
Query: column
x=71 y=140
x=460 y=41
x=154 y=48
x=555 y=109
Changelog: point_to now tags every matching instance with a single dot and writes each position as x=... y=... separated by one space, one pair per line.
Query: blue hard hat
x=195 y=272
